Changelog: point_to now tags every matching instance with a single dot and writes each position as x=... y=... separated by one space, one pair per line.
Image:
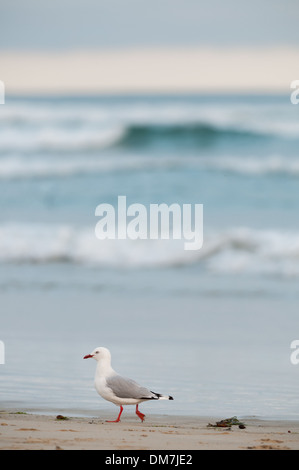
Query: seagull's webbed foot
x=141 y=415
x=117 y=420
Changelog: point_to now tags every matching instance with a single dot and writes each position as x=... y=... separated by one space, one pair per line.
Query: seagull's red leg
x=118 y=418
x=141 y=415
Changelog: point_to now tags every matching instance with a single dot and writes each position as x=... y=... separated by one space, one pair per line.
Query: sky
x=75 y=24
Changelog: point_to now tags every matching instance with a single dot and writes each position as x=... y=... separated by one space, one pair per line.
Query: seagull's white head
x=100 y=354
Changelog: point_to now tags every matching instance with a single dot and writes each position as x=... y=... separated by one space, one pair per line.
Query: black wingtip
x=158 y=395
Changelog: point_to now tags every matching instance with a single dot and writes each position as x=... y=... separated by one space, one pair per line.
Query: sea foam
x=20 y=166
x=236 y=250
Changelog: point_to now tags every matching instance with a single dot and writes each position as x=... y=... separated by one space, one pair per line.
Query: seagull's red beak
x=87 y=356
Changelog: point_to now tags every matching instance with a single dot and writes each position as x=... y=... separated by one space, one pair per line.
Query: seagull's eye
x=97 y=352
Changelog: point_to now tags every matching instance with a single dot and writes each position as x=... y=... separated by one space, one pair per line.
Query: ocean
x=212 y=327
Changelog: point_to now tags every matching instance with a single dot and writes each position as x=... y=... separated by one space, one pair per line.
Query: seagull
x=117 y=389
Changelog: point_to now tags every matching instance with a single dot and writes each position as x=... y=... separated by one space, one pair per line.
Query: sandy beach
x=43 y=432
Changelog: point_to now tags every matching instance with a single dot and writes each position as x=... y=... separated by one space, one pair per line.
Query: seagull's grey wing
x=127 y=388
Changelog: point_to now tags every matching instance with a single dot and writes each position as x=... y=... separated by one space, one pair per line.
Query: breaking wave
x=237 y=250
x=47 y=126
x=132 y=136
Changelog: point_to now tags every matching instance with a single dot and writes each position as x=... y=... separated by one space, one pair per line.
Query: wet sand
x=44 y=432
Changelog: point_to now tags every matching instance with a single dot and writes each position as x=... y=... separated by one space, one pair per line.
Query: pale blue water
x=211 y=327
